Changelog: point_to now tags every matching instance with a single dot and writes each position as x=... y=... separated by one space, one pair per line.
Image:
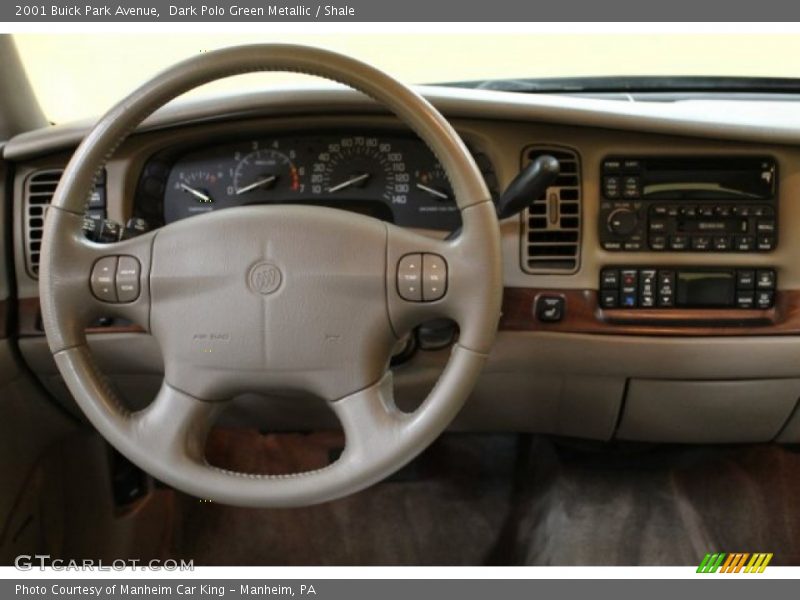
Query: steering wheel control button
x=409 y=277
x=434 y=277
x=550 y=309
x=127 y=280
x=103 y=279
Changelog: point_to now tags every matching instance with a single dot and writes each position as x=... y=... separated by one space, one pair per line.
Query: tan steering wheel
x=261 y=298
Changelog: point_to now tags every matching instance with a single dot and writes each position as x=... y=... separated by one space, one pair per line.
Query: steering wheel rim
x=354 y=260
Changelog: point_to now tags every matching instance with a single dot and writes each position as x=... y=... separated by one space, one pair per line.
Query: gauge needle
x=348 y=183
x=433 y=191
x=196 y=193
x=256 y=184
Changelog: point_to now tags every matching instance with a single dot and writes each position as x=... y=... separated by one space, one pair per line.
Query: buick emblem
x=265 y=278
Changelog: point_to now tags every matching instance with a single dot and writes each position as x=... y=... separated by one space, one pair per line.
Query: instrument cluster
x=392 y=177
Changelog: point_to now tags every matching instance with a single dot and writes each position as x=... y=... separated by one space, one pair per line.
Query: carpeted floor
x=445 y=508
x=502 y=499
x=662 y=506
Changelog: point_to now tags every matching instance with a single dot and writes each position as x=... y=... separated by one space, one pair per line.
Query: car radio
x=691 y=203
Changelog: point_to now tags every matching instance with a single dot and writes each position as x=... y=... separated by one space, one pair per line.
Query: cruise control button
x=103 y=277
x=434 y=277
x=409 y=277
x=127 y=279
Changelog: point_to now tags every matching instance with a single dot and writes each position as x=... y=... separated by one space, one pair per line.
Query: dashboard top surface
x=776 y=122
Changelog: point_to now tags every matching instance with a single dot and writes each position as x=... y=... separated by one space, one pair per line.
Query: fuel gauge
x=433 y=183
x=197 y=184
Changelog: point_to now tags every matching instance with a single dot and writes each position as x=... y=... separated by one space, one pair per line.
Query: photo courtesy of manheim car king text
x=382 y=299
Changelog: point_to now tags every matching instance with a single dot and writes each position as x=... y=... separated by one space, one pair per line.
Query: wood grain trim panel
x=584 y=315
x=29 y=322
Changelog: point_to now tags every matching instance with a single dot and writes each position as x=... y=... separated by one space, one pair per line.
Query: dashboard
x=652 y=293
x=392 y=177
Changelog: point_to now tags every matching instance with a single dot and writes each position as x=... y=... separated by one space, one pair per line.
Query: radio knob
x=622 y=221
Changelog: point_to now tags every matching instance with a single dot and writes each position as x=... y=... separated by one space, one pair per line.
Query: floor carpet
x=508 y=500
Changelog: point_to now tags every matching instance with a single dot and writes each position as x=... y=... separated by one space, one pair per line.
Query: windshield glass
x=79 y=76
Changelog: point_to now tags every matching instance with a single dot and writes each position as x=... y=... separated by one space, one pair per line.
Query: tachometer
x=266 y=170
x=361 y=167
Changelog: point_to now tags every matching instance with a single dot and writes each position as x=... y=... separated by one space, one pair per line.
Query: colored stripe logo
x=736 y=562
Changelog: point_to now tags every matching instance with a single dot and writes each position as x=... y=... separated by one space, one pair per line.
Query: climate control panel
x=713 y=287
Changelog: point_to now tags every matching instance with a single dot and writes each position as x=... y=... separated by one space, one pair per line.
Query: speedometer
x=361 y=168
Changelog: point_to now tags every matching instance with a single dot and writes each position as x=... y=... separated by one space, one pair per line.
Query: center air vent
x=552 y=231
x=39 y=190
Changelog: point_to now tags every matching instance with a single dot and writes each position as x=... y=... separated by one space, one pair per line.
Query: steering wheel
x=263 y=298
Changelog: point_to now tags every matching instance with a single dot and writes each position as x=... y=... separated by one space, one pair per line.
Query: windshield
x=79 y=76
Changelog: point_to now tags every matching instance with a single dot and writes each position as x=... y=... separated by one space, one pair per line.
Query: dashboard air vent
x=39 y=190
x=552 y=224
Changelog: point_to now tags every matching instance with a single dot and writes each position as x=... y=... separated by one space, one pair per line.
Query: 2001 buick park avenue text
x=204 y=10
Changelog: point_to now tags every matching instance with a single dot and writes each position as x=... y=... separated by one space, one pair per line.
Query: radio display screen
x=705 y=289
x=704 y=178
